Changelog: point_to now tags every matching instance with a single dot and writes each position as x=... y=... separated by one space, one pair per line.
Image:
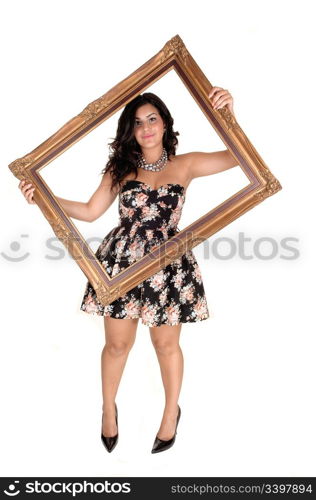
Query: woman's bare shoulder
x=106 y=182
x=180 y=157
x=181 y=164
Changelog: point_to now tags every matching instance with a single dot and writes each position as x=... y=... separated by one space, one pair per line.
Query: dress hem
x=203 y=317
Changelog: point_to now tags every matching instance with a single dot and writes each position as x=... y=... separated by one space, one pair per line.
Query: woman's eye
x=139 y=123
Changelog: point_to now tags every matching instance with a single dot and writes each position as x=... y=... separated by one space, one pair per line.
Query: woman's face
x=148 y=126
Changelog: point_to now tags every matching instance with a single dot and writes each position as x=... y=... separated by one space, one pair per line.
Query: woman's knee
x=165 y=338
x=118 y=347
x=165 y=346
x=119 y=336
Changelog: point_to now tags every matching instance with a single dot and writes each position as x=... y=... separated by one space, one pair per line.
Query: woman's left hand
x=220 y=97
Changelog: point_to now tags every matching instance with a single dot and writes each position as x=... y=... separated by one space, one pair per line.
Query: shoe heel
x=161 y=445
x=110 y=441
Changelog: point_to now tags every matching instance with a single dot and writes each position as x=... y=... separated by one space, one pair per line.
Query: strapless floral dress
x=173 y=295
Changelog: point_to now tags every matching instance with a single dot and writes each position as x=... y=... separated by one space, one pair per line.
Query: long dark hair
x=125 y=148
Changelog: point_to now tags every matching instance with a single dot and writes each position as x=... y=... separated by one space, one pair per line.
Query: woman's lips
x=147 y=136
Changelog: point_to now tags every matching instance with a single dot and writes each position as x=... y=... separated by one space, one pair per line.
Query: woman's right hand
x=27 y=190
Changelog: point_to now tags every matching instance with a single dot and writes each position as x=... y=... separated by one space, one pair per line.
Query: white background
x=248 y=402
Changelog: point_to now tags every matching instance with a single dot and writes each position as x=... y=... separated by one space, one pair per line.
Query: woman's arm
x=88 y=211
x=102 y=198
x=200 y=164
x=99 y=202
x=76 y=209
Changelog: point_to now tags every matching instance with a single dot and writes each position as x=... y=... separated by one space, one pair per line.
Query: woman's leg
x=165 y=339
x=119 y=338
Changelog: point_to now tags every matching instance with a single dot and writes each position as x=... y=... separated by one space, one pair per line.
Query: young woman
x=150 y=209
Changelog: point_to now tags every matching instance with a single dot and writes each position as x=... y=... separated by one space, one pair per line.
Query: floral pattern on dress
x=173 y=295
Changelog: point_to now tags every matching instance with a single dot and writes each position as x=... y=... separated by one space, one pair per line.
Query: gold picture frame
x=174 y=55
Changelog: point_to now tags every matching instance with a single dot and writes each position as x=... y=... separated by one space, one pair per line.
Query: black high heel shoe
x=160 y=444
x=111 y=441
